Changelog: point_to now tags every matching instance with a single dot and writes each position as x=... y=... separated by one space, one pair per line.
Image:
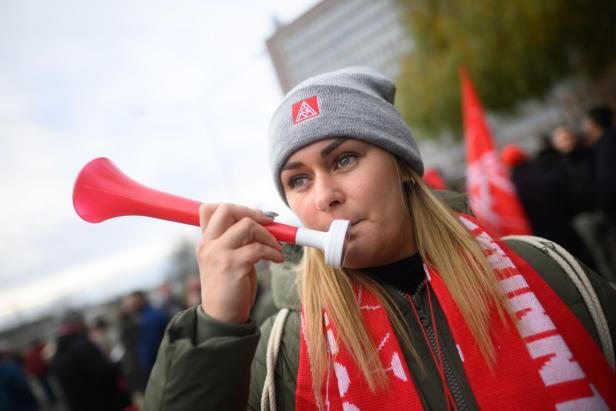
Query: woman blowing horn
x=429 y=311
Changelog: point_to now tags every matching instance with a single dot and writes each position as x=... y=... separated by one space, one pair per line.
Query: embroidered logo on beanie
x=305 y=109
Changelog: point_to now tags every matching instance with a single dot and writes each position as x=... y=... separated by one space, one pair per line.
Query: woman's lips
x=352 y=234
x=353 y=225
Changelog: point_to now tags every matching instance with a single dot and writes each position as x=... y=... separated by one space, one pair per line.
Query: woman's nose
x=327 y=194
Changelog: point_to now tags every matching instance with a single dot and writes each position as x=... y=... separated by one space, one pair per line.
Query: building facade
x=340 y=33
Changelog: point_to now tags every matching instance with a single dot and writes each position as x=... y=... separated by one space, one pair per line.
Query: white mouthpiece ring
x=334 y=245
x=331 y=242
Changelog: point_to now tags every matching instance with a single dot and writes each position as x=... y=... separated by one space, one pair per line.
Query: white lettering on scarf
x=561 y=367
x=533 y=320
x=596 y=402
x=343 y=378
x=532 y=317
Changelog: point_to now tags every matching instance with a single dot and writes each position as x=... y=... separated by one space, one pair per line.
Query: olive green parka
x=204 y=364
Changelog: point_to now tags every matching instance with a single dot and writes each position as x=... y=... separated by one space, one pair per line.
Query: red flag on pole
x=491 y=193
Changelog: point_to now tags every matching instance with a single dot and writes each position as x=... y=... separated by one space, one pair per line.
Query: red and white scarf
x=549 y=362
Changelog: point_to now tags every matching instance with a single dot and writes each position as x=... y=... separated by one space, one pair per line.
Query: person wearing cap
x=429 y=311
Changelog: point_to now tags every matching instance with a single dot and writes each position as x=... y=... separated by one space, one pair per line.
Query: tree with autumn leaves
x=514 y=50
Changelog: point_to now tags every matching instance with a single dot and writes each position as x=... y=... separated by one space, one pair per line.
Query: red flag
x=492 y=195
x=434 y=179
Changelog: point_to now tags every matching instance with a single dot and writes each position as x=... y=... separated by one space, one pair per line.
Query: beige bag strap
x=268 y=396
x=577 y=275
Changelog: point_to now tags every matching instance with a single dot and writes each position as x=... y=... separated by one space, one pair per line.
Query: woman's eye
x=345 y=159
x=296 y=182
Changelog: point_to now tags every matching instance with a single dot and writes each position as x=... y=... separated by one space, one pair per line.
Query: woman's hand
x=233 y=241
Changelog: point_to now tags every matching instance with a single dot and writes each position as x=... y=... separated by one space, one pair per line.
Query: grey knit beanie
x=355 y=102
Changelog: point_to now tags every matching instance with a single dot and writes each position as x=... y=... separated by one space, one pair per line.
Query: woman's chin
x=360 y=253
x=357 y=257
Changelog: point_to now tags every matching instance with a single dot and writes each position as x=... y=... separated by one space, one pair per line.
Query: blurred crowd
x=568 y=188
x=102 y=364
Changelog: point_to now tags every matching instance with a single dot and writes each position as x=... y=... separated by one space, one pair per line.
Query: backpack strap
x=579 y=278
x=268 y=396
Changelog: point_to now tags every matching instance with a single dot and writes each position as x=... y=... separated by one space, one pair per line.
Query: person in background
x=129 y=358
x=599 y=129
x=171 y=304
x=15 y=391
x=37 y=367
x=576 y=165
x=543 y=190
x=151 y=324
x=99 y=335
x=601 y=135
x=88 y=379
x=193 y=291
x=546 y=156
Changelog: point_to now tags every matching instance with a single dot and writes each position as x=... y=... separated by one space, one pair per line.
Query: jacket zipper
x=450 y=377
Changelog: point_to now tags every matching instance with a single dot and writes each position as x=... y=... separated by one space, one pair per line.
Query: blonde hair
x=444 y=244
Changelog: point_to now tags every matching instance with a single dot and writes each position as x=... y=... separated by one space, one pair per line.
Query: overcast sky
x=178 y=94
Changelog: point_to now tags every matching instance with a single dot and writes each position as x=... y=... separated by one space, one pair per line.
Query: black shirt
x=406 y=274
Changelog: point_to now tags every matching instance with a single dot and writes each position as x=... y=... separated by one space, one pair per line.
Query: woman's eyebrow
x=324 y=153
x=292 y=166
x=332 y=146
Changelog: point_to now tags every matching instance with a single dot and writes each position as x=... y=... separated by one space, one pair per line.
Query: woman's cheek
x=299 y=206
